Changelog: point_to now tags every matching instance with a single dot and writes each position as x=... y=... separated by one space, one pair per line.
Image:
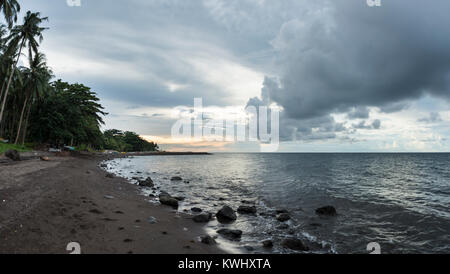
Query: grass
x=4 y=147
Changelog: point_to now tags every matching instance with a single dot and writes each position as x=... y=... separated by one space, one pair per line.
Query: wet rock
x=176 y=178
x=109 y=175
x=202 y=218
x=283 y=226
x=247 y=209
x=152 y=220
x=282 y=210
x=249 y=248
x=283 y=217
x=267 y=243
x=12 y=154
x=166 y=199
x=326 y=211
x=248 y=202
x=226 y=214
x=196 y=209
x=231 y=234
x=207 y=240
x=180 y=198
x=147 y=183
x=294 y=244
x=104 y=165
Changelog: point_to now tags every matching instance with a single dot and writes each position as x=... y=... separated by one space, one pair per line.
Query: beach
x=45 y=205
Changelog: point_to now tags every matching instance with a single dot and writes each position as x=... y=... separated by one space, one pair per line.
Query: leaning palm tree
x=20 y=36
x=36 y=80
x=10 y=9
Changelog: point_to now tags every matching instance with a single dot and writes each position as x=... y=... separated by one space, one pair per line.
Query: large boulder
x=267 y=243
x=294 y=244
x=207 y=240
x=226 y=214
x=326 y=211
x=147 y=183
x=230 y=234
x=202 y=218
x=166 y=199
x=243 y=209
x=283 y=217
x=12 y=154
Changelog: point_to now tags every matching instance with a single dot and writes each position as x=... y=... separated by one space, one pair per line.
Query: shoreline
x=46 y=205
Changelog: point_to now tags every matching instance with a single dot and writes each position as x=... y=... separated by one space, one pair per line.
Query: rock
x=176 y=178
x=283 y=217
x=180 y=198
x=104 y=165
x=226 y=214
x=12 y=154
x=249 y=248
x=267 y=243
x=45 y=159
x=152 y=220
x=231 y=234
x=196 y=209
x=109 y=175
x=326 y=211
x=202 y=218
x=207 y=240
x=248 y=202
x=166 y=199
x=282 y=210
x=147 y=183
x=108 y=197
x=283 y=226
x=247 y=209
x=294 y=244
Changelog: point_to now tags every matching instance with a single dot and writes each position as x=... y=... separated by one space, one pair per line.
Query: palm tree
x=10 y=9
x=36 y=80
x=22 y=35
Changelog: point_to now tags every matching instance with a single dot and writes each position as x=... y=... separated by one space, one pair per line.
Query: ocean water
x=400 y=201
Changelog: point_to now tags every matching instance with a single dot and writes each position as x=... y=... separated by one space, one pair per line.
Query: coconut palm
x=36 y=80
x=20 y=36
x=10 y=9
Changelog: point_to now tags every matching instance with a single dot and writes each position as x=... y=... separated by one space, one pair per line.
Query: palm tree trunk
x=20 y=120
x=24 y=135
x=10 y=79
x=3 y=88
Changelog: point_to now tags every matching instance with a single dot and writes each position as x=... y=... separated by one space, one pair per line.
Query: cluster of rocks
x=227 y=215
x=146 y=183
x=166 y=199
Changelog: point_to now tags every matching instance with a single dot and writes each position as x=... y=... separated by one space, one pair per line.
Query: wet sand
x=46 y=205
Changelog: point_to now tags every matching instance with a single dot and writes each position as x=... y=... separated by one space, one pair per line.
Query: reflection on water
x=401 y=201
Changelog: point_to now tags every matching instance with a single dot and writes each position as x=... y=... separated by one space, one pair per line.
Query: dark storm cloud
x=345 y=56
x=360 y=112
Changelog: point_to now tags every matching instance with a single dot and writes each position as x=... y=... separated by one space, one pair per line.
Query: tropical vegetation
x=35 y=108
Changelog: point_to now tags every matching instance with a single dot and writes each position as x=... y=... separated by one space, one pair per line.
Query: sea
x=400 y=202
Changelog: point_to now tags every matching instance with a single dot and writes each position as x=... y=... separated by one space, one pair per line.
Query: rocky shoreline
x=226 y=215
x=47 y=204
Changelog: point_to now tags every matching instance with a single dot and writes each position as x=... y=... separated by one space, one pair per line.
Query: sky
x=347 y=77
